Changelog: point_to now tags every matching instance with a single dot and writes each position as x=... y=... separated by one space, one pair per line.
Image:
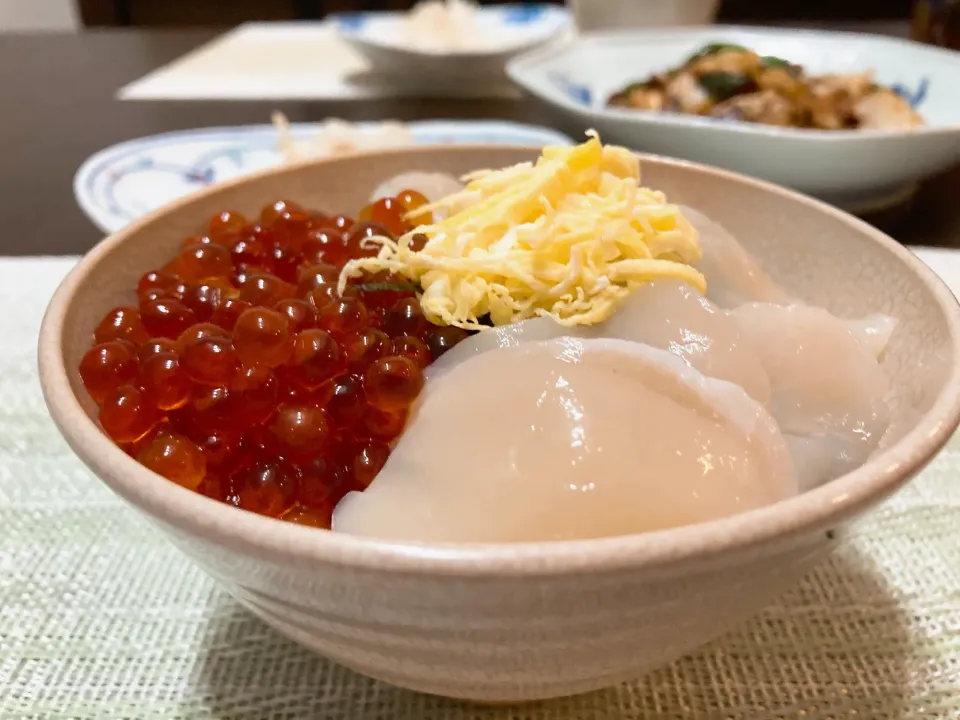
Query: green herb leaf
x=722 y=86
x=771 y=61
x=714 y=48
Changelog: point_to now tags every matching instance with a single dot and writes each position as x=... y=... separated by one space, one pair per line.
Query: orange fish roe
x=238 y=371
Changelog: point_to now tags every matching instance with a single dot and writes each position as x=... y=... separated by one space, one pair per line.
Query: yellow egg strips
x=569 y=236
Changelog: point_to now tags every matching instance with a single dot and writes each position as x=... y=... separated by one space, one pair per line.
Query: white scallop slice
x=827 y=388
x=671 y=315
x=568 y=438
x=873 y=332
x=668 y=314
x=820 y=459
x=733 y=275
x=498 y=338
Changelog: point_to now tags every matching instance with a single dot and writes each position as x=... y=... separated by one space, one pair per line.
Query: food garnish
x=729 y=81
x=568 y=237
x=337 y=137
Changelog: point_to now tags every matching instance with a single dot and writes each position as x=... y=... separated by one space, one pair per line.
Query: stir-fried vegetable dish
x=733 y=82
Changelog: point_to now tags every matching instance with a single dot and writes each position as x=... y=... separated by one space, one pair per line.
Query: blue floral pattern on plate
x=523 y=14
x=121 y=183
x=510 y=14
x=578 y=92
x=914 y=97
x=351 y=21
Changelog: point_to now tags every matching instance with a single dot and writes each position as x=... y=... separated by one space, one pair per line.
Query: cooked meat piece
x=726 y=61
x=854 y=86
x=884 y=109
x=685 y=94
x=781 y=80
x=730 y=81
x=766 y=107
x=831 y=99
x=642 y=98
x=825 y=114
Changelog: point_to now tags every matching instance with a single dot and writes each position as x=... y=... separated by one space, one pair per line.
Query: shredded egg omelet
x=569 y=237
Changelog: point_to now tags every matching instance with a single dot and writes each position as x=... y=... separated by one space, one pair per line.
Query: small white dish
x=121 y=183
x=851 y=169
x=380 y=37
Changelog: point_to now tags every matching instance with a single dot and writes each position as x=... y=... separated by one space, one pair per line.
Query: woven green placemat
x=101 y=618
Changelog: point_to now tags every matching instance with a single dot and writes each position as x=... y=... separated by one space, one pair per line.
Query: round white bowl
x=379 y=37
x=851 y=169
x=518 y=622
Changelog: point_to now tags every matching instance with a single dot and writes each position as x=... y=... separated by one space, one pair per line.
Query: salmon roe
x=238 y=371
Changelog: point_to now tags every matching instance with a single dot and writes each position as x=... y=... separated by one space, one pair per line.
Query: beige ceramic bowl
x=517 y=622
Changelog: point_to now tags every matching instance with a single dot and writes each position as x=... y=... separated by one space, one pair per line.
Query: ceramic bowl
x=856 y=170
x=590 y=15
x=120 y=183
x=517 y=622
x=379 y=37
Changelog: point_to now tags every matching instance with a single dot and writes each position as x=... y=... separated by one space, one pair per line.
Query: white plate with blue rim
x=123 y=182
x=859 y=170
x=506 y=30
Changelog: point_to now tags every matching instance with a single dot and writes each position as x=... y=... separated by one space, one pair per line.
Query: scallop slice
x=733 y=275
x=819 y=459
x=671 y=315
x=498 y=338
x=667 y=314
x=827 y=388
x=873 y=332
x=570 y=438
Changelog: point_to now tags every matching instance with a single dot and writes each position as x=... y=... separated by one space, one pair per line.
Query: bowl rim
x=92 y=167
x=285 y=543
x=522 y=69
x=559 y=21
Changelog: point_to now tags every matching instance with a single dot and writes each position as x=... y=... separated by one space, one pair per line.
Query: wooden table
x=58 y=107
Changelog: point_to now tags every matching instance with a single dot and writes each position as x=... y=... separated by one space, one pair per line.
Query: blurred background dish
x=590 y=15
x=450 y=39
x=731 y=82
x=851 y=169
x=123 y=182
